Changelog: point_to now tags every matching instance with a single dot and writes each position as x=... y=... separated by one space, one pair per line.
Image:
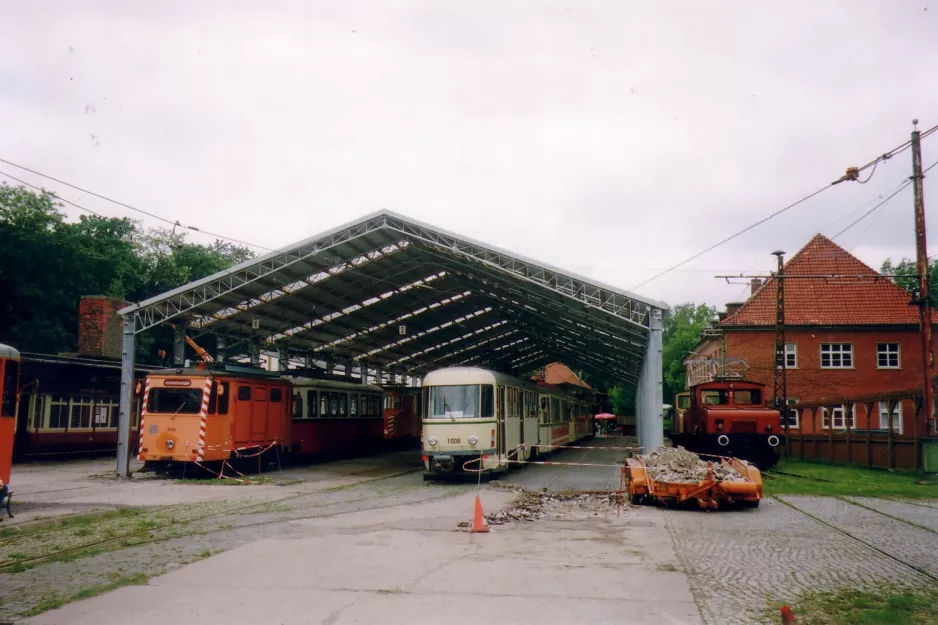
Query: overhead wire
x=885 y=156
x=134 y=208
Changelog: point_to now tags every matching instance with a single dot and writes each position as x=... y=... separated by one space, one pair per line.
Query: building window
x=839 y=418
x=792 y=415
x=836 y=356
x=896 y=416
x=58 y=411
x=887 y=355
x=791 y=356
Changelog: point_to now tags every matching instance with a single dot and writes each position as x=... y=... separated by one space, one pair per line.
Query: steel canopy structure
x=387 y=295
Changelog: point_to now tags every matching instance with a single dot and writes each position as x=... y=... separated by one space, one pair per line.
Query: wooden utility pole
x=781 y=366
x=921 y=258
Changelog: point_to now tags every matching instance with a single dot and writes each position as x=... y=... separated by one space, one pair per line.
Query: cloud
x=607 y=138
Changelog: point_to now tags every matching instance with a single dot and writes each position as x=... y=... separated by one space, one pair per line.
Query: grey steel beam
x=126 y=396
x=650 y=395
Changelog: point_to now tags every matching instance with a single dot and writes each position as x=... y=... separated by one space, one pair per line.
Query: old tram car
x=332 y=418
x=727 y=418
x=9 y=394
x=402 y=422
x=211 y=415
x=480 y=420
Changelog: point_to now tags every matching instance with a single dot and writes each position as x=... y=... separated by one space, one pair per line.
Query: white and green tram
x=476 y=419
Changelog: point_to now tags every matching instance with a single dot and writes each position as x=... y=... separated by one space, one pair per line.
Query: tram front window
x=175 y=400
x=460 y=402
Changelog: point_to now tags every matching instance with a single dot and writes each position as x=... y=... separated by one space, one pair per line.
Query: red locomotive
x=727 y=418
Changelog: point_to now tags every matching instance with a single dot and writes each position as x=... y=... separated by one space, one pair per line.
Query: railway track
x=238 y=511
x=869 y=544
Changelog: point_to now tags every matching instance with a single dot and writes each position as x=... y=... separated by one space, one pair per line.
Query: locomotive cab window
x=714 y=397
x=276 y=395
x=244 y=393
x=747 y=397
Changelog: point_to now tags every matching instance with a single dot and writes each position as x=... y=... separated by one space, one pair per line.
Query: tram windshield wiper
x=448 y=413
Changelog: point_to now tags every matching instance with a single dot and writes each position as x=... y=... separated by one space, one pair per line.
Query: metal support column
x=650 y=397
x=283 y=358
x=126 y=396
x=179 y=344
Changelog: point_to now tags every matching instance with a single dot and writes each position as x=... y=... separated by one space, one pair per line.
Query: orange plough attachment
x=710 y=493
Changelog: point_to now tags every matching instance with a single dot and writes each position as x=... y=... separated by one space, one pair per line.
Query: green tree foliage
x=909 y=280
x=48 y=263
x=682 y=328
x=622 y=400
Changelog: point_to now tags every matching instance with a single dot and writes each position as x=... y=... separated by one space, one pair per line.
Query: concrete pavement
x=409 y=564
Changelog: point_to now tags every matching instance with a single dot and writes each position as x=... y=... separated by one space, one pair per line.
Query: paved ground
x=366 y=541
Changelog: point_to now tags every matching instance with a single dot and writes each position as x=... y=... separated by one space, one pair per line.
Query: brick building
x=845 y=337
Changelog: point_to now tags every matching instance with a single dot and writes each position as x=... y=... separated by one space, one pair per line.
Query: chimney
x=99 y=326
x=732 y=307
x=754 y=285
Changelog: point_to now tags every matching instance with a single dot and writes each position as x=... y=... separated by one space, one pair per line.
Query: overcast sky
x=612 y=139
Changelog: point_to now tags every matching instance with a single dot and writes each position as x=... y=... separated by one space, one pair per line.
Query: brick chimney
x=754 y=285
x=99 y=326
x=732 y=307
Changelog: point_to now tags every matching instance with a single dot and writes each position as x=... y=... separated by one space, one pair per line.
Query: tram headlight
x=432 y=441
x=170 y=444
x=473 y=439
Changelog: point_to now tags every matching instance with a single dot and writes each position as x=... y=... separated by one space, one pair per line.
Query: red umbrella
x=605 y=416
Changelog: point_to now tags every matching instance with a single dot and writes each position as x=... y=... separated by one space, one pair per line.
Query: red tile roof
x=844 y=301
x=557 y=373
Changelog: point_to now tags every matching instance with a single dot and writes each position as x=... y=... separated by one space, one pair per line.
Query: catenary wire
x=134 y=208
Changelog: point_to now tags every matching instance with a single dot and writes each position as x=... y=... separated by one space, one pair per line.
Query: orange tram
x=228 y=412
x=9 y=393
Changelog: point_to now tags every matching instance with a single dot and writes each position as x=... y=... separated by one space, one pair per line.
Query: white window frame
x=839 y=352
x=826 y=422
x=793 y=412
x=896 y=417
x=791 y=355
x=887 y=353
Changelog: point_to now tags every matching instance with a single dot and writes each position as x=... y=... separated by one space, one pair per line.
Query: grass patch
x=88 y=519
x=856 y=607
x=137 y=579
x=838 y=481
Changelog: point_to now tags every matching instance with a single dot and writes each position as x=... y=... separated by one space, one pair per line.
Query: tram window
x=333 y=404
x=276 y=395
x=324 y=404
x=311 y=405
x=683 y=402
x=747 y=397
x=714 y=398
x=58 y=411
x=343 y=405
x=213 y=398
x=353 y=405
x=175 y=400
x=488 y=401
x=10 y=377
x=297 y=406
x=244 y=393
x=223 y=397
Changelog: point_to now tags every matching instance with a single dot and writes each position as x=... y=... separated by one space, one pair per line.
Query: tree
x=623 y=400
x=682 y=328
x=49 y=263
x=909 y=280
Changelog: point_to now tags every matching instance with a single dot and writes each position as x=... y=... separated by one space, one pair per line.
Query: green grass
x=838 y=481
x=137 y=579
x=855 y=607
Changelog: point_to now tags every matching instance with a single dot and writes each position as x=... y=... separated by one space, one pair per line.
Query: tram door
x=259 y=416
x=502 y=432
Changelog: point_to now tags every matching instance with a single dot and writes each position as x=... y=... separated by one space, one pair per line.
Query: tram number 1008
x=453 y=441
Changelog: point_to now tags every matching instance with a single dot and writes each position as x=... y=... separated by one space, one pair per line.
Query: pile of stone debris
x=535 y=506
x=680 y=466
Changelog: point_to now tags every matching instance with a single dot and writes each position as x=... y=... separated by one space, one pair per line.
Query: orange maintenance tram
x=9 y=389
x=211 y=415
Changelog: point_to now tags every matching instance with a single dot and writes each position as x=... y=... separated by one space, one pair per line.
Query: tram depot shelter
x=387 y=296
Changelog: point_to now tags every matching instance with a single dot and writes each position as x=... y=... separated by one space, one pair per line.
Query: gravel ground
x=740 y=561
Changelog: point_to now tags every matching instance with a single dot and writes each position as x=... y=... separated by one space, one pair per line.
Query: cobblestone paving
x=914 y=512
x=739 y=561
x=901 y=540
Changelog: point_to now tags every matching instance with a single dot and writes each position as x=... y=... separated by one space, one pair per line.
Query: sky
x=611 y=139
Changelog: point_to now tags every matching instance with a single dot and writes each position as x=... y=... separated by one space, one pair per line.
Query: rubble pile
x=680 y=466
x=535 y=506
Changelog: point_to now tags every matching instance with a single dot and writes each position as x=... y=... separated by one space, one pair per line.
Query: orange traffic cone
x=787 y=615
x=478 y=520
